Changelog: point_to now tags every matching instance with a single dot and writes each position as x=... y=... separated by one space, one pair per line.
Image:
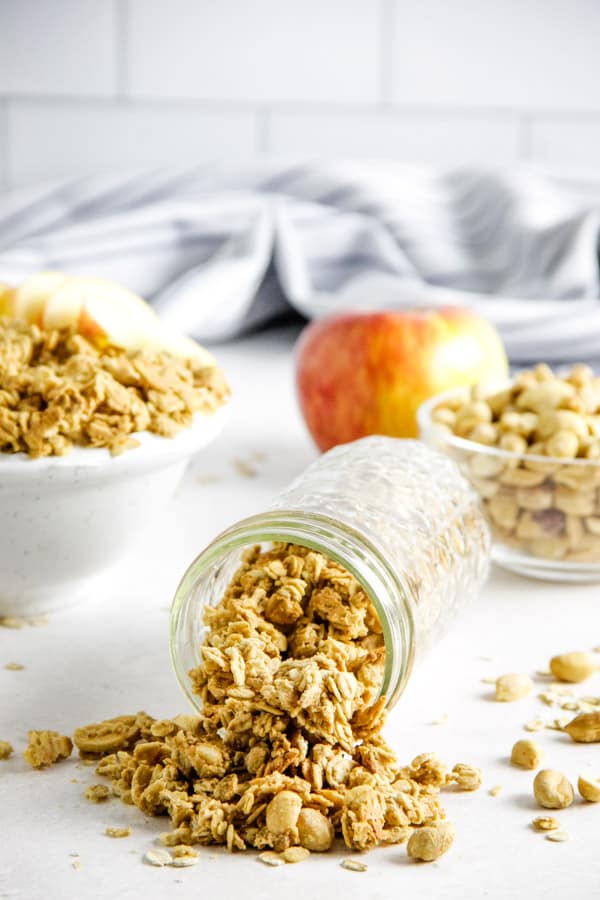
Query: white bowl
x=67 y=519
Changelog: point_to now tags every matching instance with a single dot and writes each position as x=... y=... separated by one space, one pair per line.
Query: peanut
x=283 y=812
x=315 y=830
x=513 y=686
x=429 y=843
x=573 y=667
x=589 y=788
x=552 y=789
x=526 y=754
x=585 y=728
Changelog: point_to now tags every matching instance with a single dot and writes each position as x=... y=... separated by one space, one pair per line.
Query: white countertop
x=110 y=656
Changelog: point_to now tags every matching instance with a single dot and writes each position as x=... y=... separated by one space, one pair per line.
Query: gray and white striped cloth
x=219 y=250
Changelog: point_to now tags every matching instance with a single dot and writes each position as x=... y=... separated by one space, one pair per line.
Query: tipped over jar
x=394 y=513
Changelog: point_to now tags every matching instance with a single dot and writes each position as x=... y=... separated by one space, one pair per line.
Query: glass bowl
x=543 y=511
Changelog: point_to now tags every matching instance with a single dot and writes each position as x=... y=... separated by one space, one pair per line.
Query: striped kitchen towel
x=219 y=250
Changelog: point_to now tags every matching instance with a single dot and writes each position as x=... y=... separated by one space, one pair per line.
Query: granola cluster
x=58 y=390
x=287 y=752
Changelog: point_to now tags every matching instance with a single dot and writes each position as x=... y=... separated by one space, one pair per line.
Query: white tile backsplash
x=410 y=137
x=57 y=47
x=79 y=139
x=507 y=53
x=259 y=50
x=97 y=84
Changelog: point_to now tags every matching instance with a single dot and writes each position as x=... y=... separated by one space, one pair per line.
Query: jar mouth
x=391 y=597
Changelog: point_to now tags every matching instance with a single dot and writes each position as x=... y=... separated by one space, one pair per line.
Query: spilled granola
x=287 y=751
x=59 y=391
x=46 y=748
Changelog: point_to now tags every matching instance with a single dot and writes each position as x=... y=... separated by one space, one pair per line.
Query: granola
x=6 y=749
x=287 y=751
x=46 y=748
x=60 y=391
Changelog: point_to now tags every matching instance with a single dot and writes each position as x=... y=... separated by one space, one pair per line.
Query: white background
x=87 y=85
x=111 y=656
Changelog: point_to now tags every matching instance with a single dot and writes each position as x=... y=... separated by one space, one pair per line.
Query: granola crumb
x=157 y=857
x=295 y=854
x=558 y=837
x=353 y=865
x=114 y=832
x=97 y=793
x=46 y=748
x=12 y=622
x=6 y=750
x=545 y=823
x=442 y=720
x=76 y=864
x=14 y=667
x=21 y=621
x=270 y=858
x=495 y=790
x=244 y=468
x=535 y=725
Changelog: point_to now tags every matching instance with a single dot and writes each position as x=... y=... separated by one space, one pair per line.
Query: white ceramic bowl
x=67 y=519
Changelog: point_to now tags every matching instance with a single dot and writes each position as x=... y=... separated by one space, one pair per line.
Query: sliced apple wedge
x=32 y=294
x=7 y=300
x=101 y=311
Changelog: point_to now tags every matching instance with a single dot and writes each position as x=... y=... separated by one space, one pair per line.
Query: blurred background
x=94 y=85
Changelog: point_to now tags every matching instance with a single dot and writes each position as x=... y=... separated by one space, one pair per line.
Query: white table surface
x=110 y=656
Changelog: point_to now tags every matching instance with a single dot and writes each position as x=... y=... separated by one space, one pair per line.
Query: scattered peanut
x=526 y=754
x=573 y=667
x=552 y=789
x=315 y=830
x=584 y=729
x=513 y=686
x=429 y=843
x=283 y=812
x=589 y=788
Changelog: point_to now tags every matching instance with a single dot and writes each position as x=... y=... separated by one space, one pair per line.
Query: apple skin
x=367 y=373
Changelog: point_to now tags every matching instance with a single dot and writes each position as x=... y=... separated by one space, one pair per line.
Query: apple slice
x=7 y=300
x=101 y=311
x=32 y=294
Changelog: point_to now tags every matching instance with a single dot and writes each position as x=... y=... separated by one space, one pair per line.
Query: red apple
x=367 y=373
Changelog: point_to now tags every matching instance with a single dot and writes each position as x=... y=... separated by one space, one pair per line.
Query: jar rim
x=391 y=596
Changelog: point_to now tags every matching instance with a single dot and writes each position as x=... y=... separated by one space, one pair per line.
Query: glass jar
x=396 y=514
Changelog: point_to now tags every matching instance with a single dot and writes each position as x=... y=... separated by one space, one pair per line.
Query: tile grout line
x=121 y=48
